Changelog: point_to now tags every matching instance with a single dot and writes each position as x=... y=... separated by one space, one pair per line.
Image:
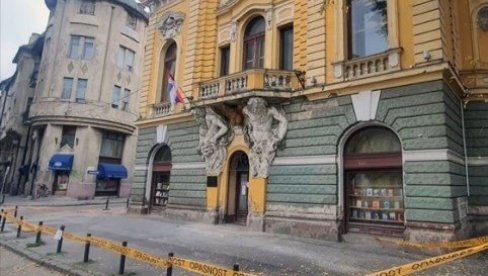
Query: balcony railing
x=254 y=79
x=162 y=109
x=368 y=66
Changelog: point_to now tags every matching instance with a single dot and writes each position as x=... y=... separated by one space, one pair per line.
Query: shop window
x=169 y=63
x=160 y=178
x=254 y=43
x=368 y=27
x=67 y=87
x=286 y=48
x=61 y=180
x=112 y=147
x=68 y=136
x=125 y=58
x=224 y=60
x=374 y=198
x=81 y=90
x=87 y=7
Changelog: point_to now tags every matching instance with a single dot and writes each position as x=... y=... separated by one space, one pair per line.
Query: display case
x=375 y=197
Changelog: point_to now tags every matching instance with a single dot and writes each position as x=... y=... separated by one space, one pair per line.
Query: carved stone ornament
x=170 y=24
x=215 y=134
x=233 y=30
x=482 y=18
x=269 y=19
x=266 y=127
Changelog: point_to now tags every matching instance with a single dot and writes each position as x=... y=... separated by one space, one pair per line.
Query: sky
x=18 y=20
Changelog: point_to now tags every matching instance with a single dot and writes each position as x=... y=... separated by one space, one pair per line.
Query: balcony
x=162 y=109
x=263 y=80
x=368 y=66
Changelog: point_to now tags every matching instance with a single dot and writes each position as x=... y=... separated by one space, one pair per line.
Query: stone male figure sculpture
x=265 y=128
x=214 y=137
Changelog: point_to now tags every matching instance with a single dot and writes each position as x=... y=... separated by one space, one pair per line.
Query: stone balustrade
x=368 y=66
x=162 y=109
x=249 y=80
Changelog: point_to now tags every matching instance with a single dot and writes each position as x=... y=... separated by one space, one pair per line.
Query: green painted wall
x=187 y=186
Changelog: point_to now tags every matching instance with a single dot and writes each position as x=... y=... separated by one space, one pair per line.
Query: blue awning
x=106 y=170
x=61 y=162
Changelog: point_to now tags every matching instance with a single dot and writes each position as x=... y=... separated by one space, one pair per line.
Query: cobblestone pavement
x=15 y=265
x=223 y=245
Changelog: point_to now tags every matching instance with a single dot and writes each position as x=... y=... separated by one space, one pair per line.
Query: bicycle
x=42 y=191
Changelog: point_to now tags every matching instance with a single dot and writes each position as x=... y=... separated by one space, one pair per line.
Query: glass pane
x=249 y=55
x=260 y=53
x=163 y=155
x=129 y=59
x=73 y=46
x=116 y=97
x=376 y=197
x=125 y=99
x=120 y=57
x=256 y=26
x=369 y=29
x=68 y=136
x=373 y=140
x=287 y=48
x=88 y=49
x=67 y=86
x=81 y=90
x=224 y=60
x=112 y=146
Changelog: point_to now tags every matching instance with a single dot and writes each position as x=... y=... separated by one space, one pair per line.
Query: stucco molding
x=433 y=155
x=366 y=105
x=478 y=161
x=188 y=166
x=170 y=24
x=306 y=160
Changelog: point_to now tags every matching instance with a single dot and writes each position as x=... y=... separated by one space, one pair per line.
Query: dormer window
x=87 y=7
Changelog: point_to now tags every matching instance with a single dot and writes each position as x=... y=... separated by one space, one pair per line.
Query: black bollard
x=128 y=202
x=122 y=260
x=15 y=211
x=19 y=229
x=60 y=242
x=3 y=199
x=87 y=249
x=3 y=223
x=38 y=235
x=106 y=204
x=236 y=267
x=169 y=269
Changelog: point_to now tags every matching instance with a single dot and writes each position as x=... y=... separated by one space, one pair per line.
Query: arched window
x=160 y=178
x=373 y=182
x=254 y=43
x=368 y=27
x=169 y=63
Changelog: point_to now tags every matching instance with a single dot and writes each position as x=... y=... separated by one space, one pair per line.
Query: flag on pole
x=175 y=93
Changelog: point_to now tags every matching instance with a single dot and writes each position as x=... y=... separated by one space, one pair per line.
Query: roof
x=34 y=47
x=132 y=7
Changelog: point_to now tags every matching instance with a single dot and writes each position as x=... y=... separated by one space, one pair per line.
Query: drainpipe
x=34 y=175
x=465 y=149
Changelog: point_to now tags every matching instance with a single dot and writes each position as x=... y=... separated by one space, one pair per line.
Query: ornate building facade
x=317 y=118
x=83 y=134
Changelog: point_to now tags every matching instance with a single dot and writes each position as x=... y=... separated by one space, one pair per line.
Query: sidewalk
x=58 y=201
x=224 y=245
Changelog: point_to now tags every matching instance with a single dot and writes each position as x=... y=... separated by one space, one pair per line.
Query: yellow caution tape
x=205 y=269
x=430 y=262
x=444 y=244
x=199 y=267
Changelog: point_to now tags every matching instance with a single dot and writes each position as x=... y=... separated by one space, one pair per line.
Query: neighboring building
x=15 y=130
x=317 y=118
x=85 y=105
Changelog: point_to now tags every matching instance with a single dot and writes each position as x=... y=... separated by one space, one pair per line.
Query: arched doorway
x=373 y=182
x=160 y=179
x=237 y=202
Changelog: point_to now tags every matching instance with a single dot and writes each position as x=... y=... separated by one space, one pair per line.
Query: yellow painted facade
x=417 y=29
x=427 y=40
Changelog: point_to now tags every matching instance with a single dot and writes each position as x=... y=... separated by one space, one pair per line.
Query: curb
x=51 y=264
x=61 y=205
